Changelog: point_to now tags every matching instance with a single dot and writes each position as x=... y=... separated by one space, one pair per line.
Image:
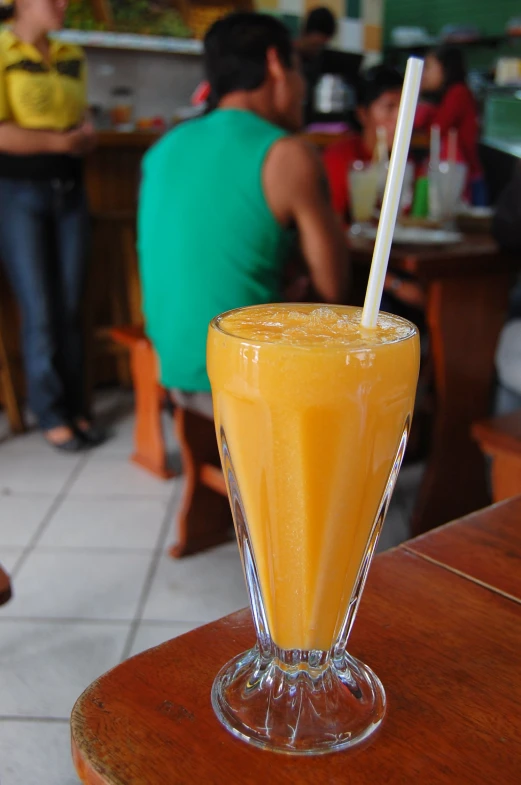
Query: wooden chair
x=8 y=389
x=149 y=443
x=205 y=518
x=5 y=587
x=500 y=439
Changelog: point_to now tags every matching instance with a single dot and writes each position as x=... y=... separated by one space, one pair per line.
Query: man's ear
x=275 y=69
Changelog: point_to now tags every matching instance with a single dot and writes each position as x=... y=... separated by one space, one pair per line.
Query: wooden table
x=440 y=623
x=466 y=288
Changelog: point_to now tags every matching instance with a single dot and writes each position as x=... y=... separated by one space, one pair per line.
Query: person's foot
x=91 y=435
x=63 y=438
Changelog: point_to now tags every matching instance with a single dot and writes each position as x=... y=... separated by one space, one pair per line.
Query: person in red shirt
x=444 y=75
x=378 y=101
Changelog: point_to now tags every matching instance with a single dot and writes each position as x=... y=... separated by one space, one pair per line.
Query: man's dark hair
x=376 y=81
x=235 y=50
x=6 y=12
x=453 y=63
x=320 y=20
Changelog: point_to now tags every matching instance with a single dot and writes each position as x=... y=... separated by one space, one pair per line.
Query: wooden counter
x=112 y=180
x=113 y=170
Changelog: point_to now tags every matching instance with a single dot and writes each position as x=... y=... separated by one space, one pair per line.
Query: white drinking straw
x=393 y=190
x=453 y=146
x=435 y=151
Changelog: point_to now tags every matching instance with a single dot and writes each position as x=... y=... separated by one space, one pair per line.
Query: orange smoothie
x=313 y=408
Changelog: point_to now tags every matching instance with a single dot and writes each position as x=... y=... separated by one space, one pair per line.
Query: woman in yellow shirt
x=43 y=213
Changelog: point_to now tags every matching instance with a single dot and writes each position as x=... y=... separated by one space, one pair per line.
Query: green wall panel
x=490 y=16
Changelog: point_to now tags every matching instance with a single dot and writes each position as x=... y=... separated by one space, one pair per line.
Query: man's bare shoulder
x=294 y=156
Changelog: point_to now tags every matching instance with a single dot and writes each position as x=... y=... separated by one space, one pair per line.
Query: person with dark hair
x=44 y=135
x=317 y=31
x=378 y=100
x=444 y=78
x=223 y=197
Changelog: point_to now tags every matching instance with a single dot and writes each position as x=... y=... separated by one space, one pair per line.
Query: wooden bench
x=500 y=439
x=5 y=587
x=204 y=519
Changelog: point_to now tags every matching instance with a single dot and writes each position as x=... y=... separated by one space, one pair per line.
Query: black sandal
x=72 y=445
x=92 y=436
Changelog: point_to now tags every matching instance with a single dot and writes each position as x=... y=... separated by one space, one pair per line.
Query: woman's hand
x=80 y=141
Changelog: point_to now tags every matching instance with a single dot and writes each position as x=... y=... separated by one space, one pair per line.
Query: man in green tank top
x=223 y=195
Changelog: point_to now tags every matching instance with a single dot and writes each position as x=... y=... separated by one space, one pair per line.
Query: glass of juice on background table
x=364 y=182
x=312 y=414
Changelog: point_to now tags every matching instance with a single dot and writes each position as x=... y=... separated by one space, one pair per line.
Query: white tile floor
x=84 y=539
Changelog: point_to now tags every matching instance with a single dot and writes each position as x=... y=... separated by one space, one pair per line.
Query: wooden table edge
x=409 y=546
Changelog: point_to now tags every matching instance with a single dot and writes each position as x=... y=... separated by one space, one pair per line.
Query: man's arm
x=296 y=190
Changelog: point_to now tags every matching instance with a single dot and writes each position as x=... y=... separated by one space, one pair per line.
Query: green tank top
x=208 y=241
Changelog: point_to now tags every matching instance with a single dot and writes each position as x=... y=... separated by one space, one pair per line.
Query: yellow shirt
x=40 y=95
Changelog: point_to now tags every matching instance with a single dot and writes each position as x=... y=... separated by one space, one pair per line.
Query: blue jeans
x=43 y=247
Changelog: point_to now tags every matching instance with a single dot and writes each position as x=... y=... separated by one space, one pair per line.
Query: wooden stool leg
x=150 y=449
x=132 y=275
x=5 y=587
x=12 y=406
x=205 y=519
x=506 y=476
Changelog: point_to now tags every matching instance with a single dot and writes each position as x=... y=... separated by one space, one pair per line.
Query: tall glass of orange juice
x=312 y=413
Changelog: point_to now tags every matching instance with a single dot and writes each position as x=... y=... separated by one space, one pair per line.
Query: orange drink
x=312 y=413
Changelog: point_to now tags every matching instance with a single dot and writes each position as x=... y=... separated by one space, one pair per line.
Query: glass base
x=303 y=703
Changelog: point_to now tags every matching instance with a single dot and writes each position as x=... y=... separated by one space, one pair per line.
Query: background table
x=467 y=287
x=441 y=633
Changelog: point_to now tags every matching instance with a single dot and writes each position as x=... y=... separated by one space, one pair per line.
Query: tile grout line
x=21 y=718
x=83 y=495
x=94 y=549
x=147 y=584
x=96 y=621
x=64 y=620
x=47 y=518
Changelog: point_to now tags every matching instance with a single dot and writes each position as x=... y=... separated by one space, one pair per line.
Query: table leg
x=506 y=476
x=464 y=316
x=5 y=587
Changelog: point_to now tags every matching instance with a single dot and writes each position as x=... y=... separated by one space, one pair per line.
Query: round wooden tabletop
x=433 y=629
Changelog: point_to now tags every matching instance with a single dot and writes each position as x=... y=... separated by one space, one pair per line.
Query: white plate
x=476 y=212
x=410 y=235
